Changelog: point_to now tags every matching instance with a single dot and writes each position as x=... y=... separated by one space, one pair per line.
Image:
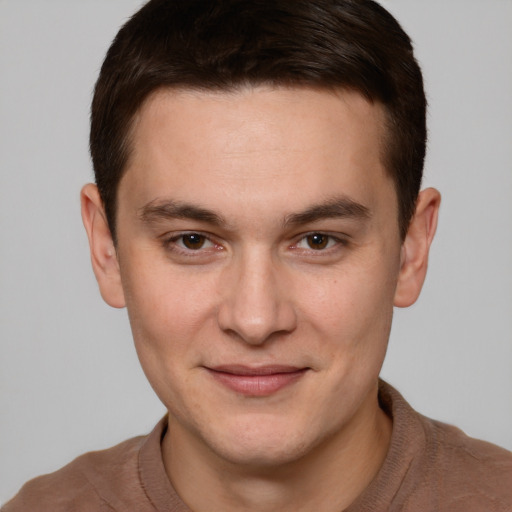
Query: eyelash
x=170 y=243
x=333 y=243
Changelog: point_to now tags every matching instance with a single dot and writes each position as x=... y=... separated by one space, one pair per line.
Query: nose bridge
x=254 y=306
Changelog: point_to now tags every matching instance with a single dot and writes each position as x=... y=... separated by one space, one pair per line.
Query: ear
x=103 y=252
x=415 y=248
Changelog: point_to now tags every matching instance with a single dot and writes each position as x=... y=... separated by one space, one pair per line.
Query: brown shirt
x=430 y=466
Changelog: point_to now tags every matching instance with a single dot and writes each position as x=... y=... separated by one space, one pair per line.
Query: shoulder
x=456 y=446
x=469 y=469
x=474 y=457
x=90 y=482
x=435 y=466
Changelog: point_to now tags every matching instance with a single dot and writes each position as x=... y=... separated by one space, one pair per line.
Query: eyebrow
x=163 y=210
x=338 y=207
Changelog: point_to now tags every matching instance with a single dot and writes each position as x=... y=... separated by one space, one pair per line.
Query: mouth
x=256 y=381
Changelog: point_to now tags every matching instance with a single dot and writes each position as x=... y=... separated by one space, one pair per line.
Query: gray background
x=69 y=378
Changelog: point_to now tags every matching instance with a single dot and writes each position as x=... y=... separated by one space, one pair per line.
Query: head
x=257 y=211
x=224 y=46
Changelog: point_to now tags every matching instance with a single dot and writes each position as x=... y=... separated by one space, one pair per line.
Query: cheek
x=352 y=309
x=168 y=314
x=166 y=308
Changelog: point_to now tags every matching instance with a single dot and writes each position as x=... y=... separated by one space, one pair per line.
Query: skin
x=260 y=228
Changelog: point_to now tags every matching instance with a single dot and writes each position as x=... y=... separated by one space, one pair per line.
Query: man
x=257 y=210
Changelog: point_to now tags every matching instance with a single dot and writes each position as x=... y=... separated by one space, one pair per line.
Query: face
x=259 y=253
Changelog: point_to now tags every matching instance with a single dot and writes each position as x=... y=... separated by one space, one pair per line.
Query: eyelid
x=340 y=240
x=169 y=242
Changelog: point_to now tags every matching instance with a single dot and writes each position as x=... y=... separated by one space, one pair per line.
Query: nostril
x=257 y=327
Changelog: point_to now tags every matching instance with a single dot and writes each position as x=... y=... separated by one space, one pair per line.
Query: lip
x=256 y=381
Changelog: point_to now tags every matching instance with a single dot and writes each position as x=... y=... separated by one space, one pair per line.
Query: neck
x=327 y=479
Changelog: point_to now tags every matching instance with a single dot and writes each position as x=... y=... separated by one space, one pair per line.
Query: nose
x=255 y=304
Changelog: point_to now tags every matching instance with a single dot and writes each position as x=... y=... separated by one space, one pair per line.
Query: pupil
x=317 y=241
x=193 y=241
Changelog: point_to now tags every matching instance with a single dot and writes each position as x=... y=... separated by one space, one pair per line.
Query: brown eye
x=193 y=241
x=317 y=241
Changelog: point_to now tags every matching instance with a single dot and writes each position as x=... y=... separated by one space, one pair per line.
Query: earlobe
x=103 y=253
x=415 y=248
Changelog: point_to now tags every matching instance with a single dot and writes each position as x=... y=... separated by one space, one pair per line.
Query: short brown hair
x=225 y=44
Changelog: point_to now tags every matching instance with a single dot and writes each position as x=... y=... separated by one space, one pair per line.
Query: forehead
x=257 y=146
x=315 y=108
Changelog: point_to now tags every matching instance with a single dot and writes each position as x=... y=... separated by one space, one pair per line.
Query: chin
x=262 y=455
x=260 y=443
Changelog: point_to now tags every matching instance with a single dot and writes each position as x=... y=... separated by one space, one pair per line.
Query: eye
x=191 y=247
x=317 y=242
x=192 y=241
